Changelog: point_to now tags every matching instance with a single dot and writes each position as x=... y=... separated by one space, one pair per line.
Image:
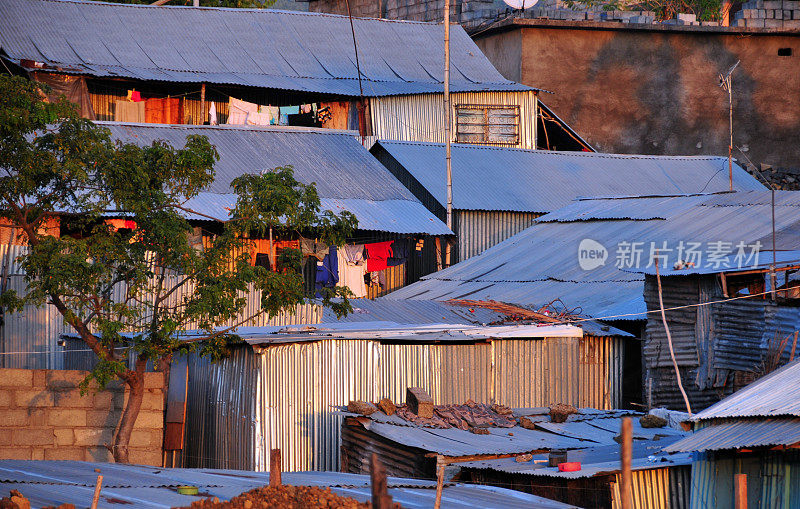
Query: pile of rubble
x=768 y=14
x=285 y=497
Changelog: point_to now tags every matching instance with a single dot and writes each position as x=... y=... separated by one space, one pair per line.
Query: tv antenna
x=725 y=83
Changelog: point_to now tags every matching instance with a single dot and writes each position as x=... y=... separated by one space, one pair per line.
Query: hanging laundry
x=258 y=118
x=400 y=253
x=355 y=253
x=239 y=110
x=310 y=247
x=212 y=114
x=351 y=275
x=126 y=111
x=273 y=113
x=327 y=271
x=136 y=96
x=305 y=108
x=377 y=254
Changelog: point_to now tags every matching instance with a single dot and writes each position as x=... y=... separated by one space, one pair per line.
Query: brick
x=16 y=418
x=33 y=437
x=16 y=377
x=419 y=402
x=145 y=457
x=103 y=400
x=153 y=380
x=72 y=399
x=93 y=437
x=98 y=454
x=37 y=453
x=64 y=453
x=32 y=399
x=64 y=437
x=150 y=419
x=102 y=418
x=37 y=417
x=15 y=453
x=5 y=399
x=5 y=436
x=64 y=379
x=153 y=401
x=67 y=417
x=143 y=438
x=39 y=378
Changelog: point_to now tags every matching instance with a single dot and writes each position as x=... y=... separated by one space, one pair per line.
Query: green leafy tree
x=131 y=291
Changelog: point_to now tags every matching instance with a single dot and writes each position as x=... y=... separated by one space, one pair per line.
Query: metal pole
x=447 y=125
x=773 y=279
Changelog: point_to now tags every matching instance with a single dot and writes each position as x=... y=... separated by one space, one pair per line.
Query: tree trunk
x=123 y=437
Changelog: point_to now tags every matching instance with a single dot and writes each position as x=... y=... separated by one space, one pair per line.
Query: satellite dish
x=521 y=4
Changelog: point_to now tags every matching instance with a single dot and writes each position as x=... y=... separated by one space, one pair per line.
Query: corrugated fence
x=302 y=384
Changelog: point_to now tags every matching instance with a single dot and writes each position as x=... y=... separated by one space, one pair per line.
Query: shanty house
x=721 y=345
x=521 y=448
x=347 y=177
x=499 y=191
x=756 y=432
x=543 y=265
x=259 y=66
x=282 y=386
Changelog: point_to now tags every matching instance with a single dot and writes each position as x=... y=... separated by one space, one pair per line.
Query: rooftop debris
x=361 y=407
x=560 y=412
x=285 y=497
x=652 y=421
x=419 y=402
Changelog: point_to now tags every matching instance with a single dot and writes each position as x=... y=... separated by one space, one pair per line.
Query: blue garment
x=328 y=271
x=400 y=253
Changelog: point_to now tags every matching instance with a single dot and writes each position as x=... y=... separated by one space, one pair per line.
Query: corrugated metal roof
x=57 y=482
x=540 y=264
x=504 y=178
x=578 y=432
x=346 y=175
x=430 y=311
x=763 y=261
x=735 y=435
x=594 y=461
x=289 y=50
x=775 y=395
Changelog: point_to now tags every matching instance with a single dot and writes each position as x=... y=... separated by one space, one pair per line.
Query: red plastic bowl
x=572 y=466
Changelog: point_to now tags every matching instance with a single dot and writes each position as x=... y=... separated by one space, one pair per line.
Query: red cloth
x=136 y=96
x=377 y=255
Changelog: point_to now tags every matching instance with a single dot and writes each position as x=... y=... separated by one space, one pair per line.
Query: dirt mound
x=285 y=497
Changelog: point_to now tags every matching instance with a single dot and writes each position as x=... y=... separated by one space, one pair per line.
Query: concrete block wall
x=44 y=417
x=769 y=14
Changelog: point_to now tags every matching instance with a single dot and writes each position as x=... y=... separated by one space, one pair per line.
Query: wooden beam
x=740 y=490
x=275 y=467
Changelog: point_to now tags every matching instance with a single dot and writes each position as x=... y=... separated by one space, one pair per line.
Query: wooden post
x=626 y=446
x=202 y=104
x=438 y=253
x=96 y=497
x=275 y=467
x=794 y=345
x=439 y=482
x=740 y=481
x=380 y=492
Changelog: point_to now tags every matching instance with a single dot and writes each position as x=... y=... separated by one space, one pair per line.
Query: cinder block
x=64 y=453
x=37 y=417
x=153 y=400
x=143 y=438
x=419 y=402
x=15 y=453
x=93 y=437
x=16 y=377
x=773 y=23
x=72 y=399
x=5 y=399
x=67 y=417
x=149 y=419
x=5 y=436
x=33 y=399
x=39 y=378
x=102 y=418
x=145 y=457
x=64 y=437
x=15 y=418
x=98 y=454
x=64 y=379
x=33 y=437
x=102 y=400
x=37 y=453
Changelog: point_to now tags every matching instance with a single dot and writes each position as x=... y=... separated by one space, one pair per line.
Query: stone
x=560 y=412
x=387 y=406
x=501 y=409
x=479 y=431
x=652 y=421
x=64 y=453
x=523 y=458
x=361 y=407
x=66 y=417
x=526 y=422
x=33 y=437
x=419 y=402
x=33 y=399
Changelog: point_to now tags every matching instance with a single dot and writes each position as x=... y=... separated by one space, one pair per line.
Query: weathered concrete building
x=653 y=88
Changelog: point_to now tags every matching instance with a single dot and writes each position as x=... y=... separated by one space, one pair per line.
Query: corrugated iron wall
x=656 y=488
x=773 y=478
x=221 y=428
x=420 y=117
x=478 y=230
x=302 y=383
x=602 y=364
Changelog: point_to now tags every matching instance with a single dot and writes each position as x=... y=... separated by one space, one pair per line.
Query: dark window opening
x=784 y=52
x=487 y=124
